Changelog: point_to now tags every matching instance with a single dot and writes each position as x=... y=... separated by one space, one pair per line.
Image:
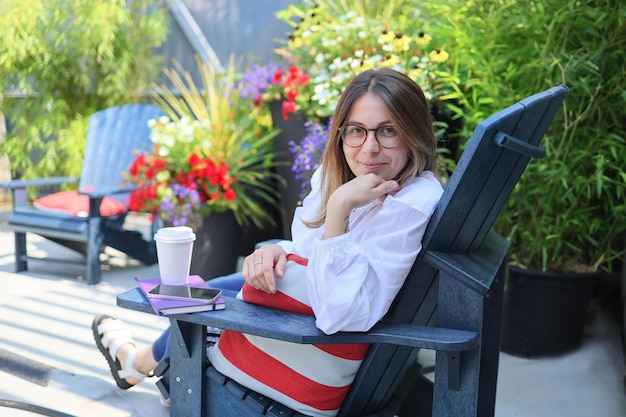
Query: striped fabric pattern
x=311 y=379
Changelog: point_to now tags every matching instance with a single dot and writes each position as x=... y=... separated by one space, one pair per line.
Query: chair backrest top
x=114 y=136
x=488 y=170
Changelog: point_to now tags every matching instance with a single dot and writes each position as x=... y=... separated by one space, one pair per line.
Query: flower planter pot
x=544 y=313
x=291 y=130
x=216 y=249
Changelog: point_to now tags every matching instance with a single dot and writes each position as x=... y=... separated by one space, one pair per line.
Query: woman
x=355 y=239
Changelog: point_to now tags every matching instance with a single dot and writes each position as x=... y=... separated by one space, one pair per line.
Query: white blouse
x=353 y=278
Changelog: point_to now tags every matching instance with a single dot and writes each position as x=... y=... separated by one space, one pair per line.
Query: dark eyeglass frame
x=343 y=131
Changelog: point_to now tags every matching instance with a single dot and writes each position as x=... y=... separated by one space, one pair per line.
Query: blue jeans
x=230 y=286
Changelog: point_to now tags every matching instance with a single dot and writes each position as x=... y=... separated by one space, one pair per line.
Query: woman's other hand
x=259 y=267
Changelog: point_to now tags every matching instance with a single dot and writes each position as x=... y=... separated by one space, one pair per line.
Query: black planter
x=294 y=130
x=216 y=249
x=544 y=313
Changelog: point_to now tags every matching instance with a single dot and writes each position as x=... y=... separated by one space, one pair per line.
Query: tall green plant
x=212 y=141
x=569 y=209
x=63 y=60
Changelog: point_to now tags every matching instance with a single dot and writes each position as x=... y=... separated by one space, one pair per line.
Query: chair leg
x=186 y=372
x=94 y=272
x=21 y=257
x=94 y=243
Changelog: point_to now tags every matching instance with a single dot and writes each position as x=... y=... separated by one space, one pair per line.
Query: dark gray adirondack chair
x=451 y=301
x=113 y=136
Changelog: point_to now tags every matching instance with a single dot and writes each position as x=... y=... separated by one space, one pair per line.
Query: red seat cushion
x=78 y=204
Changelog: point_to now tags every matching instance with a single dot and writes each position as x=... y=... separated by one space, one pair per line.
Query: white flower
x=354 y=63
x=163 y=151
x=206 y=143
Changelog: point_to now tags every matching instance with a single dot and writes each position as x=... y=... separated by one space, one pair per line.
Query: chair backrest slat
x=478 y=189
x=113 y=138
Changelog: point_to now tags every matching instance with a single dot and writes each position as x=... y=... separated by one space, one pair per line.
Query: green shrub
x=65 y=60
x=568 y=211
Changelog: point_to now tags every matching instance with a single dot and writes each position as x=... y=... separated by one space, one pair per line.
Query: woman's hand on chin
x=355 y=193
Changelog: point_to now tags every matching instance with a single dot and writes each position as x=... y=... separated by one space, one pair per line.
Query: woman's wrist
x=337 y=217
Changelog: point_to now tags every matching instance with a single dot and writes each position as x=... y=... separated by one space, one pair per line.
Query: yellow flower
x=415 y=73
x=401 y=42
x=265 y=120
x=295 y=43
x=438 y=55
x=386 y=37
x=390 y=61
x=366 y=64
x=422 y=40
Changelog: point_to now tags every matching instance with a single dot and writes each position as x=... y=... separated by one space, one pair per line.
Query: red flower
x=295 y=77
x=230 y=195
x=138 y=163
x=291 y=95
x=135 y=201
x=288 y=107
x=194 y=160
x=209 y=178
x=150 y=173
x=278 y=75
x=289 y=81
x=182 y=178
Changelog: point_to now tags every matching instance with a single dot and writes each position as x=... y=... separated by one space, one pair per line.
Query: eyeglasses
x=355 y=135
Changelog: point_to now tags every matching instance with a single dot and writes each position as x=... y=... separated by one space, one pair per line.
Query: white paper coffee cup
x=174 y=249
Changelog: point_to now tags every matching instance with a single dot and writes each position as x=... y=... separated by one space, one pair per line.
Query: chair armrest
x=261 y=321
x=41 y=182
x=474 y=270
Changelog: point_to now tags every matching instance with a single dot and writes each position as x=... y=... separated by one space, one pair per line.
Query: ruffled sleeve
x=352 y=279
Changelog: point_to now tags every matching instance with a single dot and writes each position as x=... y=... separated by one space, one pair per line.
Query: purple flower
x=179 y=206
x=308 y=153
x=256 y=81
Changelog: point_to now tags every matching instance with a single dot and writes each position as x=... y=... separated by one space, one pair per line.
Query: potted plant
x=276 y=87
x=334 y=42
x=567 y=215
x=331 y=42
x=212 y=165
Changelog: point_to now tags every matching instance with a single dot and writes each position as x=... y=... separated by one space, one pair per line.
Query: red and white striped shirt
x=349 y=284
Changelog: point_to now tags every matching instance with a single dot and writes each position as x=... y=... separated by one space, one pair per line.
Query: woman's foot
x=118 y=347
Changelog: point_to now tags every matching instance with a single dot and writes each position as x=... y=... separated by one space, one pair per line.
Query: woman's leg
x=128 y=363
x=161 y=346
x=147 y=357
x=229 y=284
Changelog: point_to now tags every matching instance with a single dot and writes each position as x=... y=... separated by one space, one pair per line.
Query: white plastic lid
x=182 y=234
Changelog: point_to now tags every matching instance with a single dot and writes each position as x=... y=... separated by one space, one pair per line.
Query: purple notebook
x=166 y=307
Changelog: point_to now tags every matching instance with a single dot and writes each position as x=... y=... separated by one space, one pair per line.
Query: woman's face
x=370 y=112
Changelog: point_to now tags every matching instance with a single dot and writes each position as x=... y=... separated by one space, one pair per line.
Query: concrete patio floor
x=48 y=357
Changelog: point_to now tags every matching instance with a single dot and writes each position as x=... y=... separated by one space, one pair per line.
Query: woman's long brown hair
x=410 y=114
